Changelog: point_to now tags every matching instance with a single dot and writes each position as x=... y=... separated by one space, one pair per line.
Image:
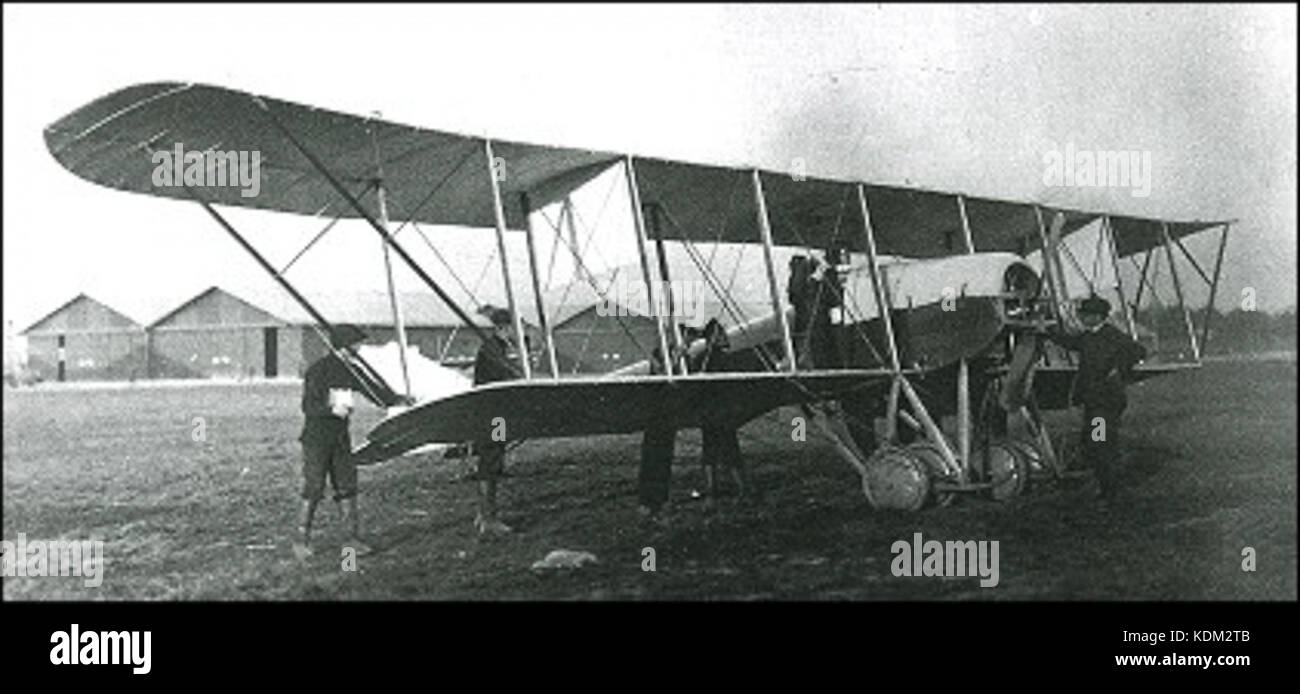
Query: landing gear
x=895 y=479
x=1003 y=470
x=931 y=458
x=1035 y=464
x=909 y=473
x=892 y=478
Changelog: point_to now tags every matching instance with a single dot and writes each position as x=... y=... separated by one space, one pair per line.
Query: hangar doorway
x=271 y=351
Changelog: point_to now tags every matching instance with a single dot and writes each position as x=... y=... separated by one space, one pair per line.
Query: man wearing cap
x=493 y=362
x=327 y=392
x=1106 y=359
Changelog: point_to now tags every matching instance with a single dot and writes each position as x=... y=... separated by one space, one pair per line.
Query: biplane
x=938 y=334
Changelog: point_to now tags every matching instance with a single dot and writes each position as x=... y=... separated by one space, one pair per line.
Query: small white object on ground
x=565 y=559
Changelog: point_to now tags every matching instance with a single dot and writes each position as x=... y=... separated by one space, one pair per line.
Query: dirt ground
x=1211 y=469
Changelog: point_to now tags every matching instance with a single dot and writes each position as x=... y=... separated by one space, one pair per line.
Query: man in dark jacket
x=720 y=434
x=658 y=446
x=798 y=291
x=813 y=290
x=494 y=362
x=327 y=392
x=1106 y=360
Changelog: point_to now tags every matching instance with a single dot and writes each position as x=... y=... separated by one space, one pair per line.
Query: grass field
x=1211 y=469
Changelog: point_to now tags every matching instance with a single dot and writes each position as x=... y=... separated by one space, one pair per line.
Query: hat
x=1095 y=305
x=713 y=327
x=691 y=333
x=499 y=317
x=346 y=335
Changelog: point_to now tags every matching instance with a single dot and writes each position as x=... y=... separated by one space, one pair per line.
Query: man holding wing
x=327 y=402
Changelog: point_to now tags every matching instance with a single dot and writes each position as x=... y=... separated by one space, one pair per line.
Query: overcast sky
x=963 y=98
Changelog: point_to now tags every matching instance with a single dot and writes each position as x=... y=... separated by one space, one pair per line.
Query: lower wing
x=584 y=406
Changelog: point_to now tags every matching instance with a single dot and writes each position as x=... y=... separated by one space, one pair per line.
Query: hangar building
x=85 y=340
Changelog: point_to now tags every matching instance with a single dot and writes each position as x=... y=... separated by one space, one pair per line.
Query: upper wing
x=439 y=177
x=581 y=406
x=110 y=142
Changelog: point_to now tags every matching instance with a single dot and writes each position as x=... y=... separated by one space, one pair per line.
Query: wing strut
x=878 y=289
x=1214 y=284
x=398 y=324
x=1178 y=287
x=1109 y=231
x=965 y=224
x=494 y=175
x=1050 y=273
x=963 y=368
x=542 y=322
x=656 y=229
x=1142 y=281
x=778 y=305
x=638 y=222
x=1053 y=274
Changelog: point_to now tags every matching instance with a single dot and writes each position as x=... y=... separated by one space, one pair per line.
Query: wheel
x=895 y=479
x=1036 y=467
x=932 y=459
x=1006 y=471
x=1029 y=452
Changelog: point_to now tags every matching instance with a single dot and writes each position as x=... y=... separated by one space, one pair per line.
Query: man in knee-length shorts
x=327 y=392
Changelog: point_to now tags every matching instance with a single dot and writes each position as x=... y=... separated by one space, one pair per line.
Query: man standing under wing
x=720 y=433
x=1106 y=360
x=658 y=445
x=492 y=363
x=327 y=390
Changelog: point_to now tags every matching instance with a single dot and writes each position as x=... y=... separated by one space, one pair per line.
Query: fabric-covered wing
x=430 y=176
x=576 y=407
x=438 y=177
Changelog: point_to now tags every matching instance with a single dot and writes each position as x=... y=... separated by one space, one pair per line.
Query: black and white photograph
x=629 y=303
